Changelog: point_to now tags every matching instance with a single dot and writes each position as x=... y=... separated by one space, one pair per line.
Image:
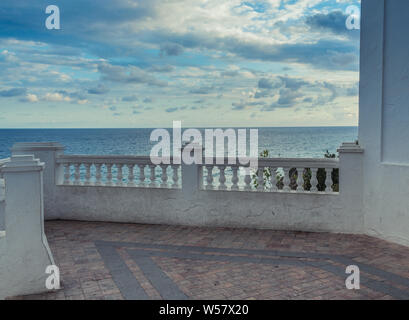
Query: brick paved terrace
x=131 y=261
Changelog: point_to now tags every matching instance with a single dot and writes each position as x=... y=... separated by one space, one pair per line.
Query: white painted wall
x=384 y=118
x=192 y=206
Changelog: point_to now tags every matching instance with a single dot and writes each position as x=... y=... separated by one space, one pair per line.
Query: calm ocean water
x=311 y=142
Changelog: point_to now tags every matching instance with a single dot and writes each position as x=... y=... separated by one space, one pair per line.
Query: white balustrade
x=131 y=176
x=273 y=179
x=260 y=179
x=271 y=175
x=175 y=176
x=235 y=179
x=2 y=185
x=91 y=170
x=314 y=180
x=328 y=180
x=300 y=179
x=222 y=178
x=209 y=178
x=153 y=176
x=164 y=176
x=119 y=176
x=141 y=175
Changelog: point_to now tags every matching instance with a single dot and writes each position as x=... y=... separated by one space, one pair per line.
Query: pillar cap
x=351 y=147
x=37 y=146
x=22 y=163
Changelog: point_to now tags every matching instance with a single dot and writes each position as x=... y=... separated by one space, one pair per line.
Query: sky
x=207 y=63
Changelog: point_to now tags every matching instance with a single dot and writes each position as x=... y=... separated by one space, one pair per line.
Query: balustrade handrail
x=282 y=180
x=3 y=161
x=262 y=162
x=277 y=162
x=107 y=159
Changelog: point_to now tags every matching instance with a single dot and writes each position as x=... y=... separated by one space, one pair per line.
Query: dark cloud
x=293 y=83
x=230 y=73
x=171 y=109
x=264 y=83
x=243 y=104
x=100 y=89
x=327 y=54
x=333 y=21
x=129 y=74
x=130 y=98
x=75 y=95
x=353 y=91
x=171 y=49
x=165 y=69
x=14 y=92
x=202 y=90
x=83 y=23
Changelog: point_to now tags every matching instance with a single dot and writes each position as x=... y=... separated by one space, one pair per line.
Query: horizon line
x=187 y=127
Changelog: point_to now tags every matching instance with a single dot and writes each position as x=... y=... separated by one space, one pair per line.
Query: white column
x=47 y=152
x=26 y=255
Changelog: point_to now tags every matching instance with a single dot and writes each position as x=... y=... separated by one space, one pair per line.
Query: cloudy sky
x=137 y=63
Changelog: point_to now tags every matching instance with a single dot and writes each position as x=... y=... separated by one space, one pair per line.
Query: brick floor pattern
x=113 y=261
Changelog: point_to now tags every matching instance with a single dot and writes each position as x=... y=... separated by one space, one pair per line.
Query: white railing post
x=273 y=179
x=191 y=175
x=314 y=180
x=350 y=169
x=351 y=181
x=26 y=256
x=47 y=152
x=235 y=178
x=131 y=176
x=300 y=179
x=286 y=179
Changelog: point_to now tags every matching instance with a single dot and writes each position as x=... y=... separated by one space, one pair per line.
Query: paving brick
x=220 y=263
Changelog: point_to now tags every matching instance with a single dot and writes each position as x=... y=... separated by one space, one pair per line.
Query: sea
x=288 y=142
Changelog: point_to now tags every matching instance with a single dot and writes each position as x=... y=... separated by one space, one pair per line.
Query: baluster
x=131 y=176
x=247 y=179
x=67 y=173
x=77 y=174
x=109 y=174
x=175 y=176
x=314 y=180
x=209 y=178
x=87 y=174
x=141 y=175
x=273 y=179
x=300 y=179
x=152 y=177
x=98 y=174
x=328 y=180
x=235 y=179
x=119 y=175
x=222 y=178
x=164 y=176
x=286 y=179
x=260 y=179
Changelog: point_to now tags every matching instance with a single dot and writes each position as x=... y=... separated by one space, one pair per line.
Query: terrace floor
x=129 y=261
